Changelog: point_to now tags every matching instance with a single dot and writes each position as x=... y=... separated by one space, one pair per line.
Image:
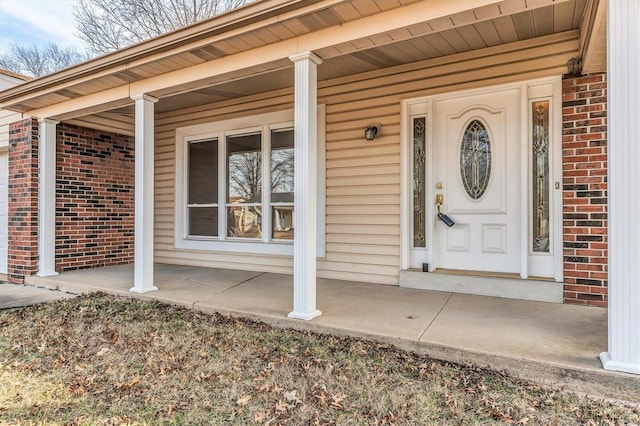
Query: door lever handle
x=443 y=217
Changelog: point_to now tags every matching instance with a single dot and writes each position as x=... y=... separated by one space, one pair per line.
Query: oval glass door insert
x=475 y=159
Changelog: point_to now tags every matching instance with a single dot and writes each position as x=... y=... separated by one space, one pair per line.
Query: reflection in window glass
x=244 y=186
x=282 y=175
x=282 y=222
x=282 y=160
x=244 y=221
x=244 y=168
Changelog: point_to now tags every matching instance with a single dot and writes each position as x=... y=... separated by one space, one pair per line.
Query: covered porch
x=539 y=341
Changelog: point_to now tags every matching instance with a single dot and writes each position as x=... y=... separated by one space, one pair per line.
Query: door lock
x=439 y=200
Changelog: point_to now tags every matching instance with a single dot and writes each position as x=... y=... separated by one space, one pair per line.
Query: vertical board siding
x=362 y=178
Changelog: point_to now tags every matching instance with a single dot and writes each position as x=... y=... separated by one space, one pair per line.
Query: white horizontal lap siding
x=362 y=178
x=6 y=118
x=363 y=191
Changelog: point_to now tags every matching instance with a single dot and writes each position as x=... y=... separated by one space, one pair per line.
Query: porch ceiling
x=491 y=24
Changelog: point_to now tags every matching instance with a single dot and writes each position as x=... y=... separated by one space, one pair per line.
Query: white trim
x=321 y=202
x=413 y=111
x=546 y=90
x=556 y=162
x=219 y=130
x=47 y=198
x=525 y=182
x=266 y=185
x=144 y=194
x=405 y=185
x=305 y=186
x=623 y=97
x=405 y=166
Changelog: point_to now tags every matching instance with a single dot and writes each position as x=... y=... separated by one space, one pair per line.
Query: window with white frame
x=237 y=181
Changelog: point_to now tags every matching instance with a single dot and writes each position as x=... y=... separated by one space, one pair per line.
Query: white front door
x=477 y=172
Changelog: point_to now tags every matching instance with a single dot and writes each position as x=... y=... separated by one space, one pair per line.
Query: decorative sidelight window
x=475 y=159
x=540 y=178
x=419 y=177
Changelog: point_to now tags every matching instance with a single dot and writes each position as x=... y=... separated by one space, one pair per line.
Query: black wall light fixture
x=372 y=131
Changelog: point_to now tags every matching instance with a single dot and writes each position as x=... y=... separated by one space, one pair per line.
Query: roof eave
x=251 y=13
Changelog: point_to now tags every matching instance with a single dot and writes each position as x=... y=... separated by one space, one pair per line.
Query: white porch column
x=305 y=141
x=143 y=259
x=623 y=34
x=47 y=198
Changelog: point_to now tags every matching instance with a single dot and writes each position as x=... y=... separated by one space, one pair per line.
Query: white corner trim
x=405 y=185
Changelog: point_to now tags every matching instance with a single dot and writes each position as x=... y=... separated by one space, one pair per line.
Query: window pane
x=203 y=172
x=244 y=168
x=244 y=221
x=419 y=179
x=203 y=221
x=282 y=222
x=541 y=176
x=475 y=159
x=282 y=160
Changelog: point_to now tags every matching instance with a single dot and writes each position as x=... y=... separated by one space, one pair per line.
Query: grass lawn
x=105 y=360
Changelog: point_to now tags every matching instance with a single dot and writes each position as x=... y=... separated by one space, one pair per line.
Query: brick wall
x=95 y=179
x=22 y=257
x=584 y=164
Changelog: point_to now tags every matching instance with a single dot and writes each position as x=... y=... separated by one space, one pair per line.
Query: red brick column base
x=23 y=200
x=584 y=165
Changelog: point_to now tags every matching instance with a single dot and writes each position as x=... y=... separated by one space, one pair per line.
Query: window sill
x=235 y=246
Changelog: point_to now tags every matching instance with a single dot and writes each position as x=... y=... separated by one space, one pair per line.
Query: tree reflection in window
x=244 y=186
x=282 y=175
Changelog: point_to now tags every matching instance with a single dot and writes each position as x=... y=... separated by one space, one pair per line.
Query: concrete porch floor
x=549 y=343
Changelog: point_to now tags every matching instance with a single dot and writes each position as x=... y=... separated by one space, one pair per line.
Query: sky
x=37 y=22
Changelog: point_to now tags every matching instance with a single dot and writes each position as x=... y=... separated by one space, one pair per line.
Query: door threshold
x=509 y=286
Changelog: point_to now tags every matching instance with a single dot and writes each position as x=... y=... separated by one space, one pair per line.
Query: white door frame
x=551 y=88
